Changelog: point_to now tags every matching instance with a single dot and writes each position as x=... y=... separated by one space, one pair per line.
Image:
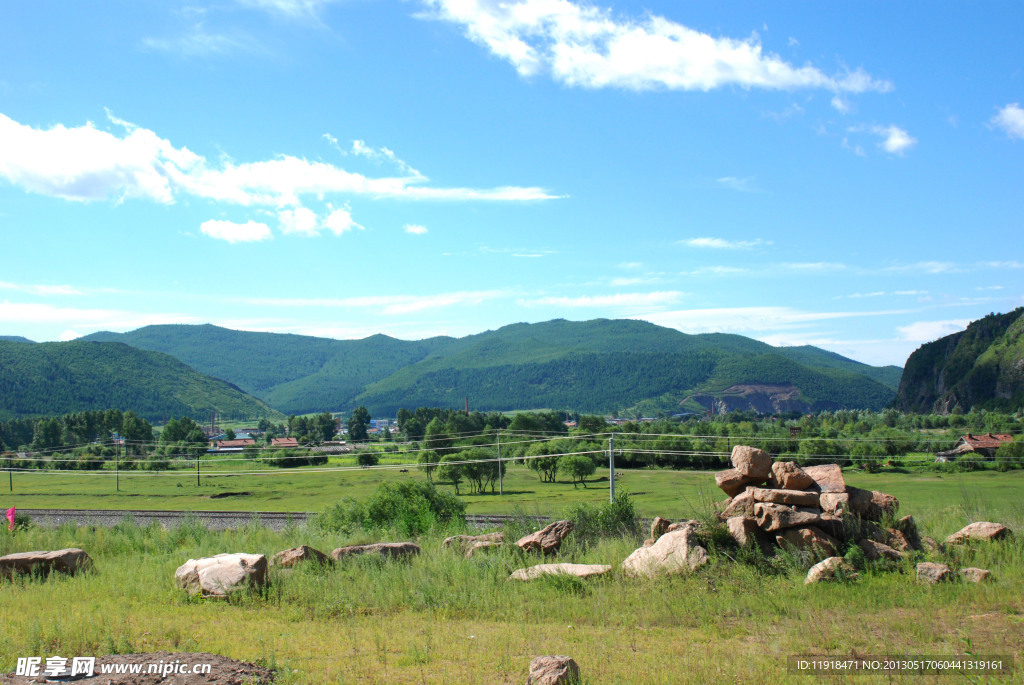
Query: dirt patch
x=222 y=495
x=222 y=671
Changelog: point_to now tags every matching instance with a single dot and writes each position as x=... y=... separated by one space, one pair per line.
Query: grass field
x=444 y=619
x=672 y=494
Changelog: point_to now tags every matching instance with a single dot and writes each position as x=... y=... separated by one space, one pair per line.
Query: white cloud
x=250 y=231
x=841 y=104
x=385 y=304
x=299 y=220
x=584 y=45
x=723 y=244
x=39 y=289
x=617 y=300
x=415 y=229
x=927 y=331
x=929 y=267
x=383 y=154
x=85 y=163
x=813 y=266
x=715 y=271
x=69 y=335
x=1011 y=119
x=340 y=220
x=294 y=9
x=197 y=42
x=896 y=140
x=748 y=319
x=89 y=319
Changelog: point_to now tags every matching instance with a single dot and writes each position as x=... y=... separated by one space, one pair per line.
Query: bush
x=367 y=458
x=409 y=509
x=618 y=518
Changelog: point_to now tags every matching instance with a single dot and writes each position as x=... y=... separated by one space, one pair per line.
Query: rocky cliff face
x=982 y=366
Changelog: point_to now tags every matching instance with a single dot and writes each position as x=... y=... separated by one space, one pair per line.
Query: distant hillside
x=14 y=338
x=982 y=367
x=597 y=366
x=63 y=377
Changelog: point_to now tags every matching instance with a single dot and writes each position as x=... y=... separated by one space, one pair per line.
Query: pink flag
x=10 y=519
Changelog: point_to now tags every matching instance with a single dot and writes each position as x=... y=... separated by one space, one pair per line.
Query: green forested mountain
x=63 y=377
x=14 y=338
x=982 y=366
x=598 y=366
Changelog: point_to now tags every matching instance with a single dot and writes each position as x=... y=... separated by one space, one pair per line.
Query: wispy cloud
x=1011 y=120
x=715 y=271
x=523 y=253
x=196 y=41
x=929 y=267
x=41 y=289
x=746 y=184
x=618 y=300
x=927 y=331
x=415 y=229
x=588 y=46
x=86 y=319
x=232 y=232
x=722 y=243
x=750 y=319
x=895 y=140
x=384 y=304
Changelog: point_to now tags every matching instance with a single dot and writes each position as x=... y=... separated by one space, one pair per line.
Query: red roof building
x=985 y=445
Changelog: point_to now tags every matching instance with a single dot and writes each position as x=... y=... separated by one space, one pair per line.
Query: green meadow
x=441 y=618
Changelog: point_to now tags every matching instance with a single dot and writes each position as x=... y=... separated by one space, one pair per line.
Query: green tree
x=229 y=434
x=542 y=458
x=451 y=471
x=358 y=423
x=436 y=437
x=428 y=463
x=367 y=458
x=578 y=467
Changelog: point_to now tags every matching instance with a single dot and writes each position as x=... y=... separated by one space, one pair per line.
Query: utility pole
x=117 y=470
x=197 y=469
x=611 y=467
x=501 y=485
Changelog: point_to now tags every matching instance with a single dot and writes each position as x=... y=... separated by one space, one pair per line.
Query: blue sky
x=847 y=175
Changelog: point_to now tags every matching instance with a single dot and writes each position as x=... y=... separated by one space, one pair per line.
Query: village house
x=983 y=445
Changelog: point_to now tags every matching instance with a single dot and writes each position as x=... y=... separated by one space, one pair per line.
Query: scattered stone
x=773 y=517
x=898 y=541
x=482 y=546
x=930 y=572
x=578 y=570
x=290 y=557
x=741 y=505
x=908 y=528
x=830 y=569
x=753 y=464
x=930 y=544
x=808 y=538
x=387 y=550
x=553 y=670
x=797 y=498
x=674 y=552
x=681 y=525
x=731 y=481
x=466 y=542
x=67 y=561
x=788 y=476
x=827 y=477
x=976 y=575
x=548 y=539
x=836 y=503
x=979 y=530
x=871 y=505
x=222 y=575
x=877 y=550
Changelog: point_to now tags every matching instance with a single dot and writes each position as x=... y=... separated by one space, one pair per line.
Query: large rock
x=930 y=572
x=297 y=555
x=773 y=517
x=482 y=546
x=797 y=498
x=674 y=552
x=578 y=570
x=731 y=481
x=975 y=575
x=387 y=550
x=659 y=527
x=745 y=531
x=222 y=575
x=808 y=538
x=466 y=542
x=548 y=539
x=908 y=528
x=979 y=530
x=553 y=670
x=871 y=505
x=67 y=561
x=832 y=568
x=878 y=550
x=741 y=505
x=835 y=503
x=752 y=463
x=827 y=477
x=788 y=476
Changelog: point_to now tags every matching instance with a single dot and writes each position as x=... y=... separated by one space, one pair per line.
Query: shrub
x=618 y=518
x=367 y=458
x=409 y=509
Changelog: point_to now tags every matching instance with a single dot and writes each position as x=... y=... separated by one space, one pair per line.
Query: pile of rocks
x=778 y=504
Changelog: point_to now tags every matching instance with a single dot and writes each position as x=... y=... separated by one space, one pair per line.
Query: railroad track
x=214 y=520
